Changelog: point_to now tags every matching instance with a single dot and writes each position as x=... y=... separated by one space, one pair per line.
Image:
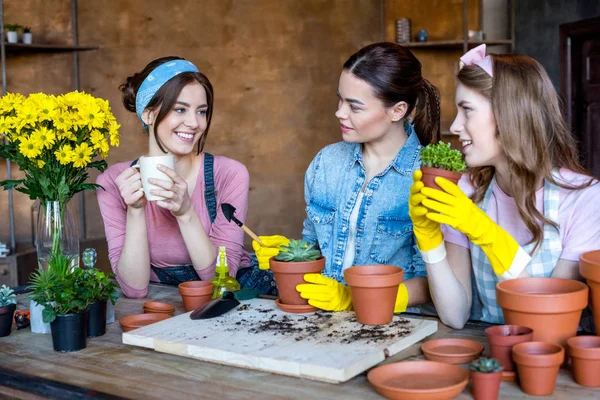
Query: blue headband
x=154 y=81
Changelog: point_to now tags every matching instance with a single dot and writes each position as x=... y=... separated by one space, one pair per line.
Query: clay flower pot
x=538 y=364
x=195 y=293
x=288 y=275
x=502 y=338
x=585 y=359
x=550 y=306
x=374 y=289
x=158 y=308
x=589 y=268
x=429 y=175
x=485 y=386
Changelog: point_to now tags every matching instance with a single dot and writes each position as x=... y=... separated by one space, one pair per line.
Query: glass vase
x=57 y=232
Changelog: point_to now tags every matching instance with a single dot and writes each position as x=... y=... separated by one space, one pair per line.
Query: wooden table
x=29 y=368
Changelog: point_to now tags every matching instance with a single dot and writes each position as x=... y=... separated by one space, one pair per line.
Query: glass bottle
x=222 y=281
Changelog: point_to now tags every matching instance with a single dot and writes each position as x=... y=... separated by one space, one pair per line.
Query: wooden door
x=580 y=86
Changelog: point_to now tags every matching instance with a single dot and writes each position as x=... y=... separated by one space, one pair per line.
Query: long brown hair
x=394 y=73
x=530 y=129
x=167 y=95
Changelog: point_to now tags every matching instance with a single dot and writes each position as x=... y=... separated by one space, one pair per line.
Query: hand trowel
x=228 y=211
x=229 y=301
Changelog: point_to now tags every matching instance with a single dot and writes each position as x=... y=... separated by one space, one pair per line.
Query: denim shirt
x=384 y=229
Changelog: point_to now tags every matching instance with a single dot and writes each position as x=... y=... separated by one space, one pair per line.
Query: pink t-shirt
x=578 y=216
x=165 y=242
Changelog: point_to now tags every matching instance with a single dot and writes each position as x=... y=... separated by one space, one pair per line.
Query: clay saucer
x=419 y=380
x=157 y=307
x=509 y=376
x=138 y=320
x=452 y=351
x=295 y=309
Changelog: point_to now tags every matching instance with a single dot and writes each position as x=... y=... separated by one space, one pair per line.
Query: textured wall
x=274 y=65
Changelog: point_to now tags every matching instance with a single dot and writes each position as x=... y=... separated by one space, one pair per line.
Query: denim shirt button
x=344 y=229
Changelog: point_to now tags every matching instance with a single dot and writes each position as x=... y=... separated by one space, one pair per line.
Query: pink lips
x=345 y=128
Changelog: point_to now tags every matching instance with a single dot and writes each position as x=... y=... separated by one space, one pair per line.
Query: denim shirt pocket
x=322 y=218
x=393 y=237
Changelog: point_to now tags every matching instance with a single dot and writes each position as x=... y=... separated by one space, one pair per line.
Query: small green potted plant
x=486 y=374
x=27 y=35
x=62 y=291
x=12 y=32
x=438 y=159
x=99 y=290
x=8 y=305
x=290 y=265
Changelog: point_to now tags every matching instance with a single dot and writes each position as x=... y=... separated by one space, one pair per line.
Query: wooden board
x=329 y=347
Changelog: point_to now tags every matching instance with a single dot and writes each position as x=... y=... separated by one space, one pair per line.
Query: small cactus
x=7 y=296
x=298 y=251
x=486 y=365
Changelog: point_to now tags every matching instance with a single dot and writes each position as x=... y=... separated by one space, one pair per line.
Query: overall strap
x=210 y=195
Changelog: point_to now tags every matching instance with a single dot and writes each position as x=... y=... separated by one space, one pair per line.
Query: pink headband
x=477 y=57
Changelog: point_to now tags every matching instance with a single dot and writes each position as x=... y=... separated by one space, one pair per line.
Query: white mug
x=148 y=169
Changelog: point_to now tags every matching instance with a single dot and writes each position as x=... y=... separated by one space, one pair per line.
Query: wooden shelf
x=454 y=44
x=19 y=48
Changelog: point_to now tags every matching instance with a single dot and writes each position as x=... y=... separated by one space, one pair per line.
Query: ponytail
x=427 y=114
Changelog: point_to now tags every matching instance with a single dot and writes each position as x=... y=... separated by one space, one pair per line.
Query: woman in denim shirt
x=357 y=190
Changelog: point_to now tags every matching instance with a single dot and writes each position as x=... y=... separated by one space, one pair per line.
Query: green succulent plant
x=486 y=365
x=440 y=155
x=7 y=296
x=298 y=251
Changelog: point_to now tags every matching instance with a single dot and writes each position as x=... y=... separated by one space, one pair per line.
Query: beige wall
x=274 y=65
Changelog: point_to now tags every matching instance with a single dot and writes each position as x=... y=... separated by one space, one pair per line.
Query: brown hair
x=166 y=96
x=394 y=73
x=530 y=130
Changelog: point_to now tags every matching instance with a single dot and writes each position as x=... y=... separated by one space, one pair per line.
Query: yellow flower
x=27 y=115
x=113 y=131
x=29 y=147
x=64 y=155
x=82 y=155
x=48 y=108
x=41 y=164
x=10 y=101
x=96 y=137
x=103 y=148
x=90 y=115
x=62 y=121
x=44 y=136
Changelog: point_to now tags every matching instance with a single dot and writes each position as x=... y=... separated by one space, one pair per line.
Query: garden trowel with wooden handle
x=229 y=301
x=228 y=211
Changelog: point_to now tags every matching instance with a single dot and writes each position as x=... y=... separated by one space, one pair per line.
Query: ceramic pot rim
x=578 y=350
x=7 y=309
x=195 y=288
x=486 y=376
x=444 y=172
x=546 y=354
x=496 y=337
x=575 y=299
x=305 y=267
x=589 y=265
x=374 y=276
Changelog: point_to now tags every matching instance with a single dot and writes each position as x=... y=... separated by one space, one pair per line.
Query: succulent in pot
x=8 y=305
x=486 y=374
x=438 y=159
x=290 y=265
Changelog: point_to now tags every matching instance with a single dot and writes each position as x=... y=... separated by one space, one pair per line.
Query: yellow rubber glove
x=456 y=209
x=325 y=293
x=401 y=299
x=428 y=233
x=272 y=246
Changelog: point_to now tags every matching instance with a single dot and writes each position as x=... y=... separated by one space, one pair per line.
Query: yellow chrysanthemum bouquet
x=54 y=140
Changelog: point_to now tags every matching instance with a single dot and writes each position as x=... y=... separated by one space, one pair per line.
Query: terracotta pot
x=288 y=275
x=374 y=289
x=537 y=365
x=195 y=293
x=550 y=306
x=589 y=268
x=502 y=338
x=429 y=175
x=585 y=359
x=132 y=322
x=485 y=386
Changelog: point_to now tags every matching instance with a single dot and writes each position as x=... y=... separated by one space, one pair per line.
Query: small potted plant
x=27 y=36
x=438 y=159
x=486 y=374
x=99 y=290
x=12 y=32
x=290 y=265
x=62 y=292
x=8 y=305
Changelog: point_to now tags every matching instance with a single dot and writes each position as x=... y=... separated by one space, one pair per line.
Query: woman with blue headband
x=175 y=239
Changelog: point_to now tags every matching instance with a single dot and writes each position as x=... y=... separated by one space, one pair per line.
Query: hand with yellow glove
x=272 y=246
x=429 y=236
x=330 y=295
x=454 y=208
